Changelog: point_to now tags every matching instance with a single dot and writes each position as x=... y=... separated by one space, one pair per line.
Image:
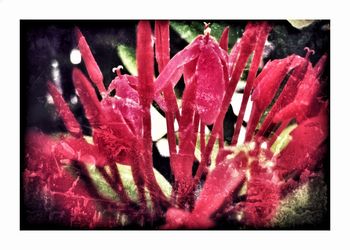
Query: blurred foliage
x=188 y=30
x=307 y=206
x=128 y=57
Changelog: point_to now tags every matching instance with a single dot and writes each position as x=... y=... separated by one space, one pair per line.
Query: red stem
x=138 y=176
x=145 y=68
x=157 y=195
x=252 y=123
x=163 y=57
x=221 y=138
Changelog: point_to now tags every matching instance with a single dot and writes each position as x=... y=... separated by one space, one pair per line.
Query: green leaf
x=103 y=188
x=190 y=30
x=129 y=184
x=128 y=57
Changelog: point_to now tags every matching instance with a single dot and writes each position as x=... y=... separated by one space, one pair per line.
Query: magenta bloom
x=244 y=181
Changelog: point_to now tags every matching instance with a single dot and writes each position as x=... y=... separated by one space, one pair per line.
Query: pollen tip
x=117 y=70
x=309 y=52
x=207 y=29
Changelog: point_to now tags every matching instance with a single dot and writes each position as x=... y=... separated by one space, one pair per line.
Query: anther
x=117 y=69
x=308 y=52
x=207 y=29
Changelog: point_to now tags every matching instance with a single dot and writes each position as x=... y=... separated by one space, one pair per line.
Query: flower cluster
x=247 y=181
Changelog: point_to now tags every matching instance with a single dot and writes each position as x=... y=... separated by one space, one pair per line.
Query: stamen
x=207 y=29
x=117 y=69
x=308 y=52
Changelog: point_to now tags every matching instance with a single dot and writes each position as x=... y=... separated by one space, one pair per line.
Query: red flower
x=121 y=134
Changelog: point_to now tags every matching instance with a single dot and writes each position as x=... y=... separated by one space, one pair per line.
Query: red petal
x=302 y=66
x=224 y=39
x=185 y=56
x=233 y=57
x=218 y=187
x=263 y=197
x=65 y=113
x=162 y=43
x=301 y=105
x=210 y=85
x=90 y=63
x=87 y=97
x=319 y=67
x=267 y=86
x=163 y=57
x=83 y=152
x=246 y=47
x=301 y=152
x=145 y=65
x=123 y=89
x=266 y=89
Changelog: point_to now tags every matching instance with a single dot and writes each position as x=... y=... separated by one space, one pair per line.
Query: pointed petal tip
x=78 y=33
x=224 y=38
